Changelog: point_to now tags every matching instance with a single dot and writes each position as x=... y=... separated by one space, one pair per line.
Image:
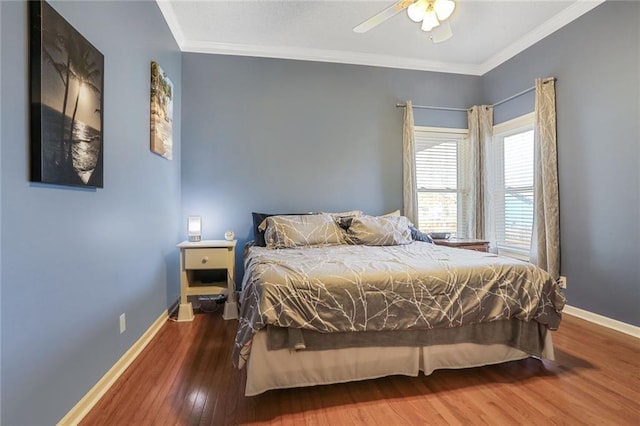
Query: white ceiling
x=485 y=32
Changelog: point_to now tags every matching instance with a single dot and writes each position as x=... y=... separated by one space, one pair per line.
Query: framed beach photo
x=66 y=94
x=161 y=112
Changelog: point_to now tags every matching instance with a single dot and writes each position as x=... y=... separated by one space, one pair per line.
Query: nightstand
x=464 y=243
x=197 y=260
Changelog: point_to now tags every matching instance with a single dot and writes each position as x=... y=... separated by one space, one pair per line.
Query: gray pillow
x=301 y=231
x=258 y=218
x=379 y=231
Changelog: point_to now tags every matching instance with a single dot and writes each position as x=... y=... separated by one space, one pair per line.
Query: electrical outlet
x=562 y=281
x=123 y=323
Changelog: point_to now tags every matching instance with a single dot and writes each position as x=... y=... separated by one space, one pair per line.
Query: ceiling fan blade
x=382 y=16
x=441 y=33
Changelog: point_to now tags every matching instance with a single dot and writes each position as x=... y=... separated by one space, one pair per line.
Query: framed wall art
x=66 y=94
x=161 y=112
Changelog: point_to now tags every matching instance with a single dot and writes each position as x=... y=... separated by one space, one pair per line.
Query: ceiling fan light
x=430 y=21
x=416 y=11
x=444 y=8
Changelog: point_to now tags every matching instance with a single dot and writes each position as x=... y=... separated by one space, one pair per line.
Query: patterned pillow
x=301 y=231
x=379 y=231
x=350 y=213
x=258 y=218
x=344 y=218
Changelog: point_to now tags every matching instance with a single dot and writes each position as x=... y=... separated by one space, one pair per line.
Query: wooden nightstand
x=464 y=243
x=203 y=256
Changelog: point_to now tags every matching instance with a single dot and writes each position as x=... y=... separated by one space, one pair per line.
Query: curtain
x=410 y=196
x=545 y=238
x=474 y=179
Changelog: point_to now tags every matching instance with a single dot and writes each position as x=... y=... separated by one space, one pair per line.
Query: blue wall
x=72 y=259
x=275 y=135
x=597 y=62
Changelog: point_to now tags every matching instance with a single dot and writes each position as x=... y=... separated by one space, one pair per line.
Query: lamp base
x=194 y=238
x=185 y=312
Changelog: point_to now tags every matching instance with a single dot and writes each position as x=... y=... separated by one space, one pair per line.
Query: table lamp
x=194 y=228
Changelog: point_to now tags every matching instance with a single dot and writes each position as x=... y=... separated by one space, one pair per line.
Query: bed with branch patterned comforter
x=418 y=286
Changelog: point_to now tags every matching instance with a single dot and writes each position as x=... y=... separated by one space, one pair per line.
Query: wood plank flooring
x=185 y=377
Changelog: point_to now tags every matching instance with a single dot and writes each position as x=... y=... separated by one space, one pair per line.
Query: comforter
x=418 y=286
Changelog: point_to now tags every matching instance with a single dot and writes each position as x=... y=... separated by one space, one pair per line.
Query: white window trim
x=514 y=253
x=514 y=124
x=441 y=131
x=505 y=129
x=445 y=133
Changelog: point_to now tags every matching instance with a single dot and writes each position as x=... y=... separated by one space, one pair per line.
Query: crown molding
x=568 y=15
x=558 y=21
x=325 y=55
x=172 y=21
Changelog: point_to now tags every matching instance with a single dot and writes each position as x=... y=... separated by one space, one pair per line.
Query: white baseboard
x=87 y=402
x=616 y=325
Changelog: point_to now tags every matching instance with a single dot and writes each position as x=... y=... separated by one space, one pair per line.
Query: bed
x=327 y=302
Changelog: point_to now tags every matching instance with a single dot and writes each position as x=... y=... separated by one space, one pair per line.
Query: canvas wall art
x=161 y=112
x=66 y=94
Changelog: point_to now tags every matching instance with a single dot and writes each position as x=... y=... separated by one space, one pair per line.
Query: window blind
x=437 y=176
x=518 y=183
x=514 y=203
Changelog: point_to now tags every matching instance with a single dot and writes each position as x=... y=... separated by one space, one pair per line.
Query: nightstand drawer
x=207 y=258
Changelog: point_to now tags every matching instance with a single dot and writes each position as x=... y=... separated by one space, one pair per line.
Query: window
x=513 y=185
x=441 y=159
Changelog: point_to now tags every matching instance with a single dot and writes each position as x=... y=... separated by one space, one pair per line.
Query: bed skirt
x=285 y=368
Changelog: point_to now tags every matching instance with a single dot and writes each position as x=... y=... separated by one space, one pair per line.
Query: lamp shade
x=194 y=228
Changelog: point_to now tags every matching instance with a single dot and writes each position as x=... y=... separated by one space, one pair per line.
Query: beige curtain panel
x=480 y=121
x=545 y=240
x=410 y=197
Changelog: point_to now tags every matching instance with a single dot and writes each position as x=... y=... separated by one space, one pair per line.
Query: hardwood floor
x=185 y=377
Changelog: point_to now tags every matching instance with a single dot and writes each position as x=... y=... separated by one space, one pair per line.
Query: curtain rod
x=432 y=107
x=398 y=105
x=514 y=96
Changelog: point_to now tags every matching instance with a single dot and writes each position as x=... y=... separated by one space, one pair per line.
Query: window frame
x=517 y=125
x=445 y=133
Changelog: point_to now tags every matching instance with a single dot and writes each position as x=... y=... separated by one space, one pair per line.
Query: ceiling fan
x=432 y=13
